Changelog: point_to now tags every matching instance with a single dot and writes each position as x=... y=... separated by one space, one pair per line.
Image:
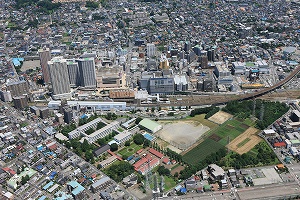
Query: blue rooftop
x=48 y=185
x=62 y=196
x=77 y=188
x=17 y=62
x=42 y=198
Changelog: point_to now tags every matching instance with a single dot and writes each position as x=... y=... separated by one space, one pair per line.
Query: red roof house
x=156 y=153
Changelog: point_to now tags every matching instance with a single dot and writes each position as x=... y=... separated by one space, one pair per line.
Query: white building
x=5 y=96
x=180 y=83
x=101 y=133
x=81 y=129
x=151 y=50
x=123 y=137
x=97 y=105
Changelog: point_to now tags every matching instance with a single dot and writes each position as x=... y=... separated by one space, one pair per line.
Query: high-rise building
x=20 y=102
x=204 y=62
x=17 y=88
x=68 y=114
x=44 y=113
x=87 y=72
x=59 y=76
x=211 y=55
x=5 y=96
x=187 y=46
x=45 y=56
x=151 y=50
x=74 y=75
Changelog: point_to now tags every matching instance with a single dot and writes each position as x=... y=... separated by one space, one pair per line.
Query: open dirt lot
x=220 y=117
x=245 y=142
x=181 y=134
x=30 y=64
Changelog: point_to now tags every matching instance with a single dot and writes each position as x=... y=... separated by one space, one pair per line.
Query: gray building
x=18 y=88
x=87 y=72
x=68 y=115
x=161 y=86
x=59 y=76
x=45 y=56
x=74 y=75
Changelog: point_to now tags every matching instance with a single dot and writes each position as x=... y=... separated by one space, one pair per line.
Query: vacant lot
x=182 y=134
x=216 y=139
x=245 y=142
x=220 y=117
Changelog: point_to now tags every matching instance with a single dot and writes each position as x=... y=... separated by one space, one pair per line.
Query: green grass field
x=201 y=151
x=169 y=183
x=229 y=130
x=128 y=151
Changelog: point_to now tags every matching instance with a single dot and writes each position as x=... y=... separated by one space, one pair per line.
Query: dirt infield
x=220 y=117
x=181 y=134
x=245 y=142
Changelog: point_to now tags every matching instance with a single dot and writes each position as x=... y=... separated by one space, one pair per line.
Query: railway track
x=199 y=100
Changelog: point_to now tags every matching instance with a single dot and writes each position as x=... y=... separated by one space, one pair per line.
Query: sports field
x=181 y=134
x=245 y=142
x=217 y=138
x=220 y=117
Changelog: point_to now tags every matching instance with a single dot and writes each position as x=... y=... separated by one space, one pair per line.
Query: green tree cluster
x=92 y=4
x=24 y=179
x=114 y=147
x=199 y=111
x=119 y=171
x=192 y=169
x=262 y=154
x=111 y=116
x=265 y=111
x=89 y=131
x=67 y=129
x=163 y=171
x=138 y=139
x=100 y=125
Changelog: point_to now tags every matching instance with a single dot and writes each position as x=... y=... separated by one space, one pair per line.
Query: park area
x=181 y=134
x=220 y=117
x=245 y=142
x=217 y=138
x=130 y=150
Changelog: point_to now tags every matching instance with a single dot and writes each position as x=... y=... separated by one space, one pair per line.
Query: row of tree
x=199 y=111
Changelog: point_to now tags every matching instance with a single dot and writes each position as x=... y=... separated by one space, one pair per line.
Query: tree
x=127 y=143
x=137 y=121
x=146 y=143
x=120 y=171
x=114 y=147
x=176 y=174
x=138 y=139
x=100 y=125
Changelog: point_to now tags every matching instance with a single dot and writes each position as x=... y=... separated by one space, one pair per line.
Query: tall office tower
x=74 y=75
x=59 y=76
x=211 y=55
x=151 y=50
x=87 y=72
x=187 y=46
x=45 y=56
